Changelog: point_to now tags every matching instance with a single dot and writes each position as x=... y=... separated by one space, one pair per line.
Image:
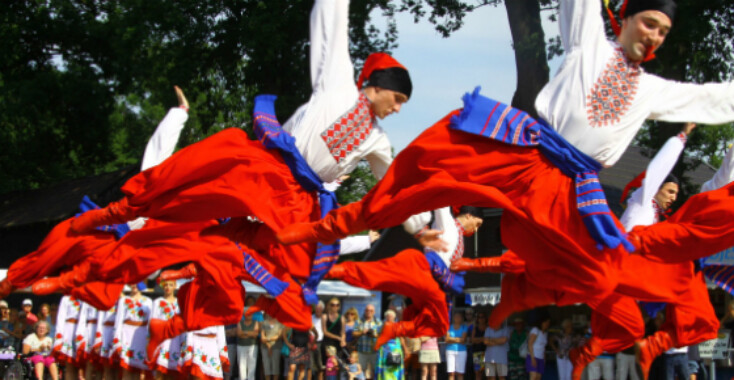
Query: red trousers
x=228 y=175
x=617 y=321
x=407 y=273
x=540 y=223
x=215 y=296
x=61 y=249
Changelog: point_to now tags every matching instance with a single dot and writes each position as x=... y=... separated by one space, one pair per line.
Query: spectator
x=28 y=319
x=351 y=319
x=695 y=364
x=515 y=362
x=247 y=331
x=456 y=347
x=270 y=346
x=331 y=367
x=44 y=314
x=537 y=340
x=258 y=316
x=429 y=358
x=476 y=338
x=562 y=344
x=331 y=325
x=230 y=336
x=412 y=358
x=354 y=369
x=39 y=344
x=366 y=333
x=7 y=338
x=676 y=363
x=390 y=355
x=298 y=353
x=495 y=356
x=625 y=363
x=317 y=361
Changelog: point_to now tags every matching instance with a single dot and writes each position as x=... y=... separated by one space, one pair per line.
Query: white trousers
x=564 y=368
x=247 y=359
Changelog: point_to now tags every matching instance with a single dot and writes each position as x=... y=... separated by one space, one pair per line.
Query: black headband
x=637 y=6
x=471 y=210
x=671 y=178
x=393 y=78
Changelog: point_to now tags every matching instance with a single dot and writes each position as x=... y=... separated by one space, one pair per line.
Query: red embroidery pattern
x=613 y=92
x=459 y=251
x=350 y=130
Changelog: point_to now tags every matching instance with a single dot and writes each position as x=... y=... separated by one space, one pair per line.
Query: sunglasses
x=333 y=304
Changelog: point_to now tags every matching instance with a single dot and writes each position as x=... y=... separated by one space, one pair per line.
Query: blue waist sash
x=269 y=131
x=489 y=118
x=118 y=229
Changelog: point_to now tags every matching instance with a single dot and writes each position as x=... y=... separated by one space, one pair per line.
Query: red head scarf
x=382 y=70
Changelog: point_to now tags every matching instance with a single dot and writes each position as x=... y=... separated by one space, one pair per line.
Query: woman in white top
x=86 y=331
x=537 y=340
x=39 y=344
x=131 y=332
x=64 y=349
x=168 y=358
x=205 y=354
x=103 y=343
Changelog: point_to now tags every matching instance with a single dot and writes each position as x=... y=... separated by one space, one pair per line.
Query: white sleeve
x=416 y=222
x=331 y=65
x=380 y=157
x=661 y=166
x=580 y=23
x=724 y=175
x=710 y=103
x=354 y=244
x=164 y=139
x=333 y=185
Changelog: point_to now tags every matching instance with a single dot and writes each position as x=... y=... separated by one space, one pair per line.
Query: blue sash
x=118 y=229
x=269 y=131
x=489 y=118
x=452 y=283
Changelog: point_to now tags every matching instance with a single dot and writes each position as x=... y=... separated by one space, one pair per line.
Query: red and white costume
x=428 y=294
x=229 y=175
x=131 y=332
x=204 y=353
x=169 y=352
x=597 y=102
x=86 y=331
x=105 y=336
x=61 y=250
x=69 y=313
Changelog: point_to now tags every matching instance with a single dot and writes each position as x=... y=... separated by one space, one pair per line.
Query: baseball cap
x=27 y=301
x=4 y=304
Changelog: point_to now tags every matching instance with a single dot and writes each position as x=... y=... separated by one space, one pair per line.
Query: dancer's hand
x=374 y=235
x=182 y=102
x=688 y=128
x=432 y=239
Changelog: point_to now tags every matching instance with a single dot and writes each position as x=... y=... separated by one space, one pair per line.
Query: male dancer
x=263 y=185
x=62 y=249
x=542 y=173
x=429 y=284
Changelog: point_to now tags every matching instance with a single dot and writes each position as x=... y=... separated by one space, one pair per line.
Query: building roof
x=61 y=200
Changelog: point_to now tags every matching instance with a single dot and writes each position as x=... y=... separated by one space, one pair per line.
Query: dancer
x=130 y=339
x=64 y=350
x=205 y=354
x=104 y=342
x=543 y=172
x=431 y=285
x=86 y=331
x=62 y=249
x=168 y=356
x=275 y=182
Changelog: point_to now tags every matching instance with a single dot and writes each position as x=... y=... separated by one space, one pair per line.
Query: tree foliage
x=84 y=82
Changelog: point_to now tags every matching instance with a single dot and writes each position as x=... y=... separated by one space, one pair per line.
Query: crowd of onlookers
x=341 y=345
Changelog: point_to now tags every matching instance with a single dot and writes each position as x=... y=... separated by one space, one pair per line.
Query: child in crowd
x=354 y=369
x=332 y=365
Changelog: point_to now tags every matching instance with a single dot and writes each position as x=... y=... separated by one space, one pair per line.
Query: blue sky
x=443 y=69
